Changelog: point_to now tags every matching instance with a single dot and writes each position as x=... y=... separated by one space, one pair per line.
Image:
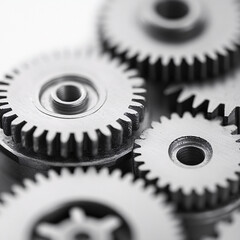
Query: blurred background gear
x=173 y=40
x=228 y=230
x=99 y=196
x=217 y=97
x=196 y=161
x=80 y=106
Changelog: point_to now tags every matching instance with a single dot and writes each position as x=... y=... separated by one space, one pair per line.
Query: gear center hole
x=68 y=93
x=190 y=156
x=82 y=236
x=172 y=9
x=190 y=151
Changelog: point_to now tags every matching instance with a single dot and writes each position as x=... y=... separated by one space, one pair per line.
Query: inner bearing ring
x=70 y=96
x=190 y=152
x=178 y=19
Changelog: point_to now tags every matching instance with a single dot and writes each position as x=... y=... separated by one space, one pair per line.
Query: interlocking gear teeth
x=228 y=230
x=210 y=50
x=67 y=188
x=49 y=131
x=218 y=98
x=182 y=154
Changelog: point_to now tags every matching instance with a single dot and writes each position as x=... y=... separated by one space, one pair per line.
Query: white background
x=31 y=27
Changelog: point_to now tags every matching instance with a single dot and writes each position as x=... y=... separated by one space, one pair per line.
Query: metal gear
x=72 y=104
x=100 y=195
x=173 y=40
x=189 y=162
x=228 y=230
x=220 y=97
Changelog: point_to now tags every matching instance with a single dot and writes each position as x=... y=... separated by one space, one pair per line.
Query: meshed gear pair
x=72 y=104
x=117 y=205
x=218 y=97
x=196 y=161
x=173 y=40
x=228 y=230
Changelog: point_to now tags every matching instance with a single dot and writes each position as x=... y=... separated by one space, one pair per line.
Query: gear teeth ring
x=220 y=98
x=75 y=193
x=173 y=52
x=182 y=155
x=68 y=93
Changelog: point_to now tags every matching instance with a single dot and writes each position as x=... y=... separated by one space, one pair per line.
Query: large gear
x=193 y=159
x=72 y=104
x=218 y=97
x=228 y=230
x=117 y=204
x=173 y=40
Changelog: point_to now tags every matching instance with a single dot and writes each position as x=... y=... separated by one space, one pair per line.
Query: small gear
x=228 y=230
x=189 y=162
x=173 y=40
x=72 y=104
x=96 y=202
x=219 y=97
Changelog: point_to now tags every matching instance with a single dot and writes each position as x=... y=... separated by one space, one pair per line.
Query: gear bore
x=173 y=40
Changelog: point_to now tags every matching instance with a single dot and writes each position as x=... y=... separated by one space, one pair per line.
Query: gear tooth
x=164 y=119
x=135 y=118
x=211 y=197
x=6 y=198
x=16 y=127
x=228 y=110
x=92 y=171
x=91 y=142
x=139 y=91
x=40 y=178
x=105 y=139
x=52 y=174
x=104 y=172
x=126 y=124
x=51 y=139
x=197 y=101
x=155 y=125
x=200 y=67
x=28 y=183
x=17 y=190
x=137 y=82
x=231 y=128
x=117 y=134
x=175 y=116
x=183 y=96
x=7 y=118
x=38 y=139
x=139 y=99
x=3 y=101
x=79 y=138
x=78 y=172
x=212 y=64
x=133 y=74
x=64 y=141
x=140 y=183
x=129 y=177
x=65 y=172
x=139 y=108
x=211 y=107
x=27 y=135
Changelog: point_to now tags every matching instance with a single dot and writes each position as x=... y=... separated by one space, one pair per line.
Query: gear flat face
x=220 y=97
x=93 y=205
x=71 y=104
x=195 y=160
x=173 y=40
x=228 y=230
